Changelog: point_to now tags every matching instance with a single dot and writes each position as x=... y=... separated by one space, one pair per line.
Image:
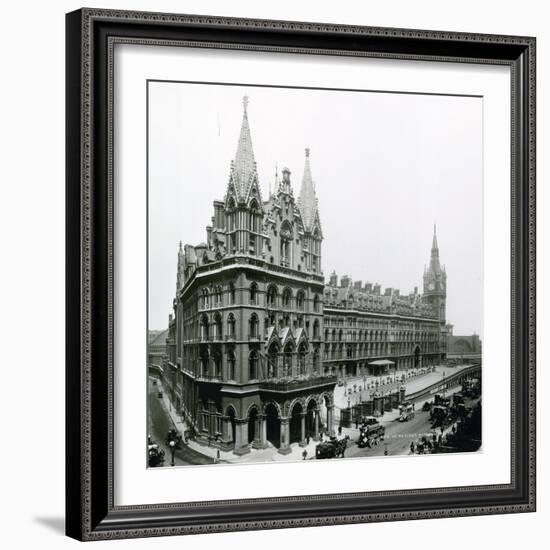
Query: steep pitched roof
x=307 y=201
x=158 y=338
x=435 y=266
x=243 y=168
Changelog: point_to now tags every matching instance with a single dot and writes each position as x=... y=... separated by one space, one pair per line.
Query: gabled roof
x=286 y=336
x=272 y=336
x=300 y=336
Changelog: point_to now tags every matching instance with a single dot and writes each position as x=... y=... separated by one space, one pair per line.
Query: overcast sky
x=386 y=168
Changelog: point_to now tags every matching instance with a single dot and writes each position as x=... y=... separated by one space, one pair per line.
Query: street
x=158 y=424
x=398 y=437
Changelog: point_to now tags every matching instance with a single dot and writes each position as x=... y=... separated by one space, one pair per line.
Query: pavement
x=162 y=417
x=412 y=385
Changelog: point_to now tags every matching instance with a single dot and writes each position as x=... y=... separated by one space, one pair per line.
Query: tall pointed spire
x=434 y=260
x=434 y=242
x=307 y=201
x=244 y=166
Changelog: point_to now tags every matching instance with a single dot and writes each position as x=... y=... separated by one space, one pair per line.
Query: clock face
x=431 y=286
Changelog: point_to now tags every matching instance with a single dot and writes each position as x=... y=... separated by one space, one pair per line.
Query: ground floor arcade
x=265 y=419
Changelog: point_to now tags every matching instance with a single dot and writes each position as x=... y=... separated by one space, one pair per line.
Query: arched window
x=218 y=331
x=217 y=364
x=253 y=228
x=231 y=365
x=253 y=293
x=205 y=298
x=231 y=226
x=272 y=296
x=300 y=300
x=286 y=297
x=286 y=241
x=253 y=365
x=316 y=303
x=287 y=360
x=302 y=352
x=273 y=361
x=231 y=293
x=204 y=328
x=231 y=326
x=204 y=364
x=253 y=325
x=316 y=332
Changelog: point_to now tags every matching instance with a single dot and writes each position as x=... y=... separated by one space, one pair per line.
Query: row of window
x=374 y=335
x=215 y=298
x=214 y=330
x=278 y=365
x=335 y=351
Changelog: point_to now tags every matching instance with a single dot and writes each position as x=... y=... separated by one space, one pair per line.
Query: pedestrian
x=339 y=430
x=412 y=447
x=440 y=439
x=304 y=454
x=454 y=429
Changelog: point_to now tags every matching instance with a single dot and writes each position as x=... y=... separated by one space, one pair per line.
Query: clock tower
x=435 y=282
x=435 y=293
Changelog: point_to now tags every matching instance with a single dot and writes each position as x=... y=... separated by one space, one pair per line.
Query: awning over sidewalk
x=382 y=363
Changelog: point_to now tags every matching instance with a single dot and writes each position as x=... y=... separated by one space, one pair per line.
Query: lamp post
x=172 y=444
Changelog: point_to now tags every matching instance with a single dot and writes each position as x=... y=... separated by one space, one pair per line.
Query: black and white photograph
x=314 y=274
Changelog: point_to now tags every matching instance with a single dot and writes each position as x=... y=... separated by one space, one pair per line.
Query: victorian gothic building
x=257 y=340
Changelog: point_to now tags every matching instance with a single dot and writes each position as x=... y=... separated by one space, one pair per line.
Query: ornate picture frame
x=90 y=506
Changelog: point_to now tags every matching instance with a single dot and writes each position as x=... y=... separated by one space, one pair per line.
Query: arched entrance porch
x=273 y=425
x=297 y=423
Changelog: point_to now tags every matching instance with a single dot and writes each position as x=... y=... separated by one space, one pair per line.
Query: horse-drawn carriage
x=155 y=456
x=406 y=412
x=438 y=416
x=174 y=435
x=370 y=432
x=333 y=448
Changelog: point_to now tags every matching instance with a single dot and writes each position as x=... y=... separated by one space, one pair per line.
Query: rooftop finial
x=307 y=151
x=245 y=103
